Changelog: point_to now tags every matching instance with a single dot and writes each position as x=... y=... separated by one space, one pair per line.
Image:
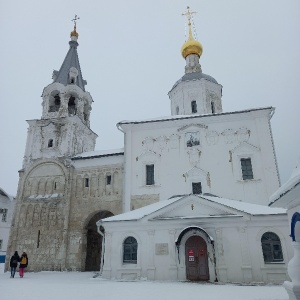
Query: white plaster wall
x=215 y=162
x=201 y=91
x=237 y=249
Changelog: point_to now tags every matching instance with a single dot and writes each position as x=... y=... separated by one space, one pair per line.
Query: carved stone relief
x=229 y=136
x=243 y=134
x=212 y=137
x=148 y=143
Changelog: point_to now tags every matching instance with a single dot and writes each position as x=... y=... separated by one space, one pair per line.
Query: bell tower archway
x=94 y=241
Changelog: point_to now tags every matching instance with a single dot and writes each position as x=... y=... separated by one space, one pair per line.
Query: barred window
x=197 y=188
x=4 y=215
x=246 y=166
x=130 y=250
x=271 y=247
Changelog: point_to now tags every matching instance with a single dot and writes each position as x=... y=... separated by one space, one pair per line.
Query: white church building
x=185 y=199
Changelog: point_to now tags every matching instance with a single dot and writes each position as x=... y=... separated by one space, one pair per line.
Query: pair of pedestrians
x=15 y=259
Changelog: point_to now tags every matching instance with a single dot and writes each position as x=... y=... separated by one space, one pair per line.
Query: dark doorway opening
x=94 y=242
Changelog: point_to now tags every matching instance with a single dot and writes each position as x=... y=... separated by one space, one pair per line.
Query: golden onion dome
x=191 y=46
x=74 y=32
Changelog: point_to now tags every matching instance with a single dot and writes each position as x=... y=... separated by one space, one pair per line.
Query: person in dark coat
x=13 y=264
x=23 y=264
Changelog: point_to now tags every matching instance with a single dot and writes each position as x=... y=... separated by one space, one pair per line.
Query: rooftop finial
x=74 y=32
x=189 y=14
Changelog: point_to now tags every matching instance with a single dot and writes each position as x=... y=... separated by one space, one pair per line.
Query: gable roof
x=248 y=208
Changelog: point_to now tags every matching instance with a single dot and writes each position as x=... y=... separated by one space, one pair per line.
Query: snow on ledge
x=99 y=153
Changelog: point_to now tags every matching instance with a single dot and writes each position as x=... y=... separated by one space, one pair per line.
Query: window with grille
x=271 y=247
x=149 y=174
x=246 y=166
x=194 y=106
x=4 y=215
x=130 y=247
x=197 y=188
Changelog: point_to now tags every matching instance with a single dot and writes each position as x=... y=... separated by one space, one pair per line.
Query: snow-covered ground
x=82 y=285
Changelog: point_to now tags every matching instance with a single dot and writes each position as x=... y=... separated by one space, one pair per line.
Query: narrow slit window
x=194 y=106
x=55 y=185
x=86 y=182
x=38 y=239
x=149 y=174
x=212 y=107
x=50 y=143
x=108 y=179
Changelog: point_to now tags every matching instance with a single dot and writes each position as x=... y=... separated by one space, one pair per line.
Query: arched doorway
x=94 y=242
x=196 y=259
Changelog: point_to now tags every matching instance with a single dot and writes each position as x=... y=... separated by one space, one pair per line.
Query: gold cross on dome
x=189 y=14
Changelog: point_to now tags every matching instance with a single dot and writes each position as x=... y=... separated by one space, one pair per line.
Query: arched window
x=130 y=250
x=271 y=247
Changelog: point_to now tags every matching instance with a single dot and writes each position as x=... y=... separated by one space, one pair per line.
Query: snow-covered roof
x=289 y=186
x=139 y=213
x=6 y=195
x=99 y=153
x=181 y=117
x=249 y=208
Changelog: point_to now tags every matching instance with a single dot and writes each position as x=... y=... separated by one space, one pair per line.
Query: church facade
x=66 y=187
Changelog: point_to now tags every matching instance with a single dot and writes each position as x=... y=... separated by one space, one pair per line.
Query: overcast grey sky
x=129 y=53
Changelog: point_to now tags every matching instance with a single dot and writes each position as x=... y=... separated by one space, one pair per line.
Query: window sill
x=248 y=180
x=150 y=186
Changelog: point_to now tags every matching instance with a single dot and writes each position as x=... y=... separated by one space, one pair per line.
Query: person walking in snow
x=23 y=264
x=14 y=263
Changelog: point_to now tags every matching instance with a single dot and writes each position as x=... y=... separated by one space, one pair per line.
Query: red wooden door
x=196 y=259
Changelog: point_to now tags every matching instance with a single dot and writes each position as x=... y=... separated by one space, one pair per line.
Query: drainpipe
x=102 y=248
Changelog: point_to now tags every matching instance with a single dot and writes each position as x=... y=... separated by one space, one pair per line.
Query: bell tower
x=64 y=128
x=195 y=92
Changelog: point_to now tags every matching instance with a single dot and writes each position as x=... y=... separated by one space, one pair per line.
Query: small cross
x=74 y=20
x=189 y=14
